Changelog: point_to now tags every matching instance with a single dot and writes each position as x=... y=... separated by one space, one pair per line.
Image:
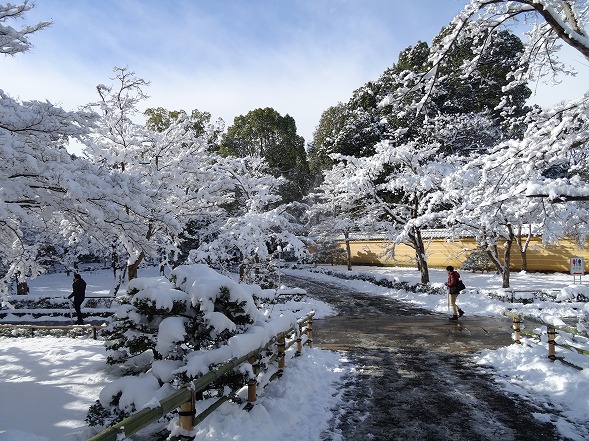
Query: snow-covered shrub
x=258 y=271
x=27 y=302
x=395 y=283
x=573 y=293
x=583 y=325
x=331 y=252
x=478 y=260
x=197 y=309
x=160 y=323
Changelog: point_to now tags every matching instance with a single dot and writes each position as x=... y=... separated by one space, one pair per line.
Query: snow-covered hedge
x=382 y=280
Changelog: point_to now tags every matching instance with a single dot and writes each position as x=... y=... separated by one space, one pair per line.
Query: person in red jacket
x=453 y=292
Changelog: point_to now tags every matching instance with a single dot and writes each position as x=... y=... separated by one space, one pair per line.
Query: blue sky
x=226 y=57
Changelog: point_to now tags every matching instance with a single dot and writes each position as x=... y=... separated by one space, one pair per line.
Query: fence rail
x=551 y=332
x=33 y=328
x=184 y=399
x=94 y=307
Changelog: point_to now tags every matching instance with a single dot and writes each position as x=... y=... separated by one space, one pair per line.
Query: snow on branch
x=549 y=22
x=14 y=41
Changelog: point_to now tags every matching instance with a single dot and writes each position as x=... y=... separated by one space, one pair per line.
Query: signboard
x=577 y=266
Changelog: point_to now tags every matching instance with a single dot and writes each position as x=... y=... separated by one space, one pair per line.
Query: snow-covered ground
x=47 y=383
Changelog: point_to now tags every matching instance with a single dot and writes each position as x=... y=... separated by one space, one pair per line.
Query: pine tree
x=161 y=321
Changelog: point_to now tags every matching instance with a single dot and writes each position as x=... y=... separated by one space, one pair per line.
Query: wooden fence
x=551 y=332
x=185 y=399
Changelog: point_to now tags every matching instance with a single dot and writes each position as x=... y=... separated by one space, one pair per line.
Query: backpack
x=460 y=285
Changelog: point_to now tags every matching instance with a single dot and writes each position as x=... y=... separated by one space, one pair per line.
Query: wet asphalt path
x=415 y=377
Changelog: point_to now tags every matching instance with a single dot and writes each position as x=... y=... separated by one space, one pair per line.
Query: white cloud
x=226 y=61
x=227 y=57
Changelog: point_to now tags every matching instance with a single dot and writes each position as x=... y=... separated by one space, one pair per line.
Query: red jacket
x=452 y=281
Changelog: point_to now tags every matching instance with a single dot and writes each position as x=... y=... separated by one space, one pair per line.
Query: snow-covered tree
x=488 y=195
x=548 y=21
x=159 y=119
x=518 y=151
x=45 y=189
x=151 y=302
x=41 y=185
x=350 y=129
x=390 y=192
x=162 y=178
x=480 y=27
x=329 y=230
x=178 y=191
x=354 y=128
x=35 y=164
x=254 y=225
x=548 y=158
x=551 y=135
x=457 y=120
x=117 y=145
x=264 y=133
x=332 y=215
x=479 y=207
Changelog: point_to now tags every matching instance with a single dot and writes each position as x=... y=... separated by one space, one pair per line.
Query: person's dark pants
x=78 y=308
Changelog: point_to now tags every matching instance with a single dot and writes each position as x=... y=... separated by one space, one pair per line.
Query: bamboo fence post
x=551 y=332
x=252 y=382
x=186 y=414
x=516 y=328
x=310 y=331
x=281 y=353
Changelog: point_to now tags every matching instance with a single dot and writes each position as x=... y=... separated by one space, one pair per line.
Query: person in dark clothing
x=79 y=294
x=453 y=292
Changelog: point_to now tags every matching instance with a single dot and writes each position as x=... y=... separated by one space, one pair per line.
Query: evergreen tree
x=354 y=128
x=264 y=133
x=348 y=129
x=254 y=225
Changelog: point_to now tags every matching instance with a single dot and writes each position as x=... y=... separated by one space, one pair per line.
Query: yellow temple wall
x=441 y=253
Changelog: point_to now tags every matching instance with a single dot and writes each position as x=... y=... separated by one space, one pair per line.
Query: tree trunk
x=524 y=258
x=523 y=246
x=242 y=269
x=132 y=271
x=420 y=255
x=505 y=278
x=22 y=288
x=348 y=250
x=494 y=256
x=115 y=260
x=132 y=268
x=507 y=258
x=503 y=268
